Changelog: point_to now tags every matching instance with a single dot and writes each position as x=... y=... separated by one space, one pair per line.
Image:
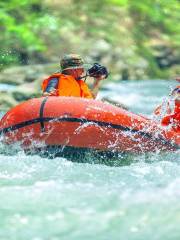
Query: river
x=56 y=199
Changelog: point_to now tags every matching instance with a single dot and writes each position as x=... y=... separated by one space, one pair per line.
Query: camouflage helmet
x=71 y=61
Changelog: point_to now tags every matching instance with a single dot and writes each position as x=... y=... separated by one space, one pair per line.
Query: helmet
x=71 y=61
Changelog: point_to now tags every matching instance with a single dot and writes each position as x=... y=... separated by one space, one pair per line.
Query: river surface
x=56 y=199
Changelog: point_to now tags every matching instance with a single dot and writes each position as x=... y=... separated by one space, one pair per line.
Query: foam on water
x=141 y=97
x=57 y=199
x=52 y=199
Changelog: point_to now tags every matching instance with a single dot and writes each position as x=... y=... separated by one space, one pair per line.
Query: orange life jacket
x=68 y=86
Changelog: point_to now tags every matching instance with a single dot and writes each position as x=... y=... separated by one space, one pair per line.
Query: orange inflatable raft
x=78 y=123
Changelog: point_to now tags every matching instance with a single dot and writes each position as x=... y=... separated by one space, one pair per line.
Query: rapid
x=57 y=199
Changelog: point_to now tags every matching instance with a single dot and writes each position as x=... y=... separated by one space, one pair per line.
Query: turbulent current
x=56 y=199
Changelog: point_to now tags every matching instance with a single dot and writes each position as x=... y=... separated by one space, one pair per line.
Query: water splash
x=43 y=198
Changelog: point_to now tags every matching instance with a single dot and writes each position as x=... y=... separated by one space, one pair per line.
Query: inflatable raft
x=78 y=123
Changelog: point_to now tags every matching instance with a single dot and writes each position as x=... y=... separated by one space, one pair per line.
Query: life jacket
x=68 y=86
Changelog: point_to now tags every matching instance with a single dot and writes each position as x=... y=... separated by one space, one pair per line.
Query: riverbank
x=21 y=83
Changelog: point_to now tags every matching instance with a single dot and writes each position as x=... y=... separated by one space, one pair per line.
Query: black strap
x=82 y=120
x=41 y=114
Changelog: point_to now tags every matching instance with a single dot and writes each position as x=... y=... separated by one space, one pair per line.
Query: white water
x=50 y=199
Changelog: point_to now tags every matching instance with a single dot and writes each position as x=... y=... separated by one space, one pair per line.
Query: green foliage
x=21 y=22
x=46 y=27
x=118 y=2
x=156 y=21
x=160 y=16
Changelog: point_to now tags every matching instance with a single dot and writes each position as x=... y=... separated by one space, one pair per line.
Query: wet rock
x=22 y=74
x=19 y=94
x=25 y=92
x=6 y=101
x=28 y=81
x=166 y=56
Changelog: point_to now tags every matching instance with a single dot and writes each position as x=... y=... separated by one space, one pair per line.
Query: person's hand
x=99 y=78
x=98 y=71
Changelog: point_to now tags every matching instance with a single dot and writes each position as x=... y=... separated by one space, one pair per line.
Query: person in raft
x=170 y=113
x=69 y=81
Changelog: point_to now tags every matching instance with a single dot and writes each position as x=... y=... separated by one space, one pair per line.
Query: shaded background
x=134 y=39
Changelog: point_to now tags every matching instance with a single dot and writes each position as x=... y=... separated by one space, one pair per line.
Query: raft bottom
x=83 y=155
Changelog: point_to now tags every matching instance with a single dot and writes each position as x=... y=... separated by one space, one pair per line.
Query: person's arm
x=98 y=72
x=51 y=87
x=96 y=86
